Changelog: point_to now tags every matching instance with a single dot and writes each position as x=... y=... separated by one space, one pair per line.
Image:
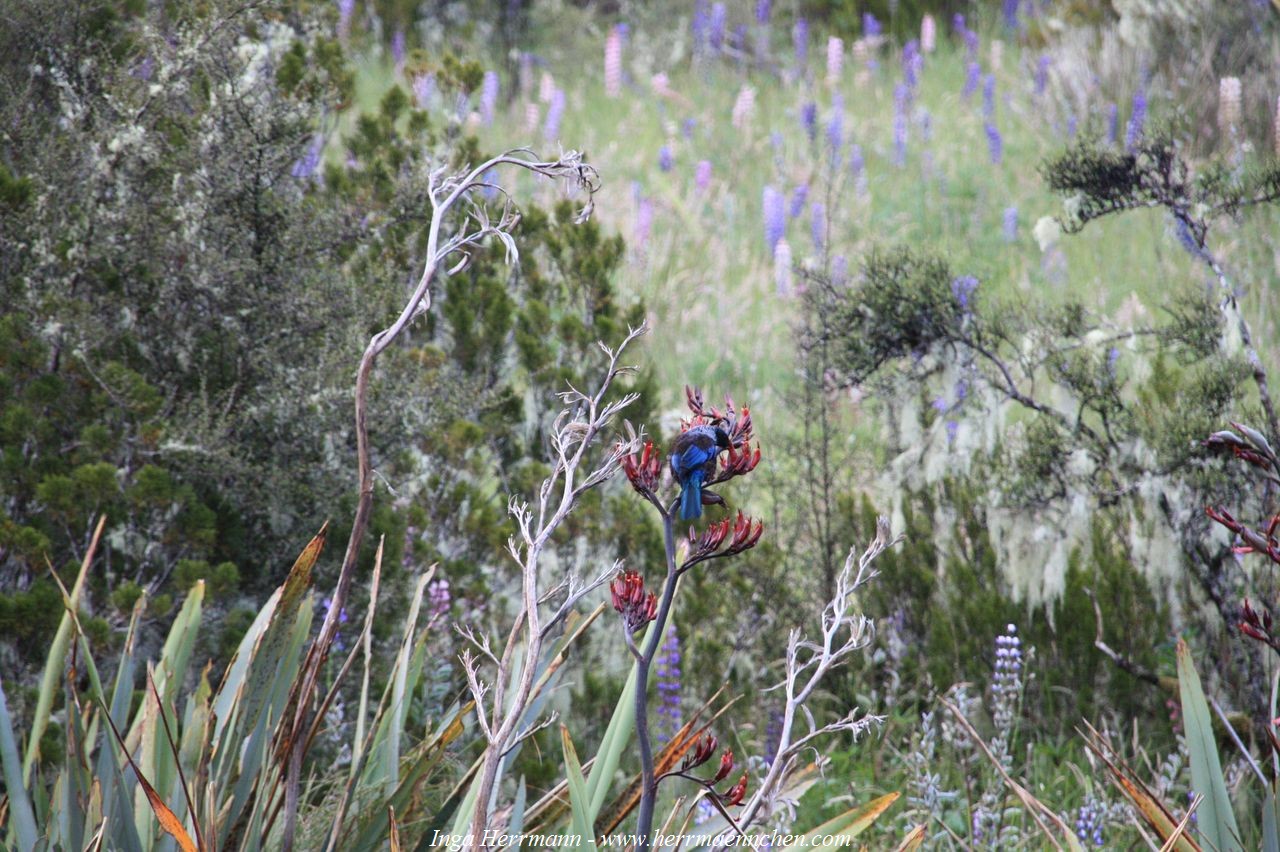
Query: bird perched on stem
x=693 y=462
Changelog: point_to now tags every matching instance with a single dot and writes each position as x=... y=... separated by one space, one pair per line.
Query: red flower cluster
x=738 y=462
x=701 y=754
x=638 y=607
x=1256 y=626
x=746 y=534
x=643 y=469
x=738 y=426
x=1256 y=541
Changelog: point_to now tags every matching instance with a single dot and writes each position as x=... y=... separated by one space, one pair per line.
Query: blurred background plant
x=848 y=208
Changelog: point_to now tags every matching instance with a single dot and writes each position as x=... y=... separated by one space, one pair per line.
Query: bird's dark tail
x=691 y=498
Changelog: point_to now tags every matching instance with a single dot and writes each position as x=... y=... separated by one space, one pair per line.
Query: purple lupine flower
x=700 y=24
x=971 y=43
x=1113 y=358
x=624 y=31
x=397 y=49
x=775 y=218
x=1010 y=222
x=688 y=126
x=666 y=160
x=1113 y=122
x=438 y=598
x=939 y=404
x=870 y=25
x=306 y=165
x=667 y=674
x=1089 y=821
x=800 y=41
x=345 y=10
x=835 y=125
x=424 y=86
x=762 y=11
x=1188 y=241
x=1006 y=681
x=809 y=118
x=912 y=62
x=1072 y=125
x=716 y=34
x=489 y=96
x=555 y=112
x=953 y=429
x=995 y=145
x=1011 y=14
x=1042 y=75
x=613 y=62
x=972 y=78
x=857 y=167
x=702 y=175
x=799 y=197
x=900 y=99
x=840 y=270
x=1137 y=118
x=644 y=223
x=818 y=225
x=961 y=390
x=989 y=96
x=963 y=288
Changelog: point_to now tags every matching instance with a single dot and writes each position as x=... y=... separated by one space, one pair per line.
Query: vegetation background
x=865 y=220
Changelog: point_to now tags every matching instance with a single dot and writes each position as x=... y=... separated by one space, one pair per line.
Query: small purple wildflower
x=1011 y=224
x=1011 y=14
x=840 y=270
x=1006 y=681
x=668 y=675
x=799 y=197
x=963 y=288
x=555 y=112
x=989 y=96
x=857 y=168
x=972 y=79
x=871 y=26
x=644 y=223
x=1042 y=75
x=1113 y=358
x=702 y=175
x=688 y=127
x=489 y=96
x=1137 y=118
x=424 y=86
x=438 y=598
x=397 y=49
x=306 y=166
x=666 y=160
x=818 y=225
x=1089 y=821
x=809 y=118
x=995 y=145
x=775 y=219
x=800 y=41
x=700 y=24
x=762 y=11
x=912 y=63
x=1072 y=125
x=716 y=34
x=345 y=10
x=835 y=125
x=953 y=428
x=901 y=96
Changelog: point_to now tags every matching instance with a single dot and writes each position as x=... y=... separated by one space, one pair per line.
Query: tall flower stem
x=644 y=660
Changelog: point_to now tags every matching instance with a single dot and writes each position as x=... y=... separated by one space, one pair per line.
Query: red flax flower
x=1256 y=626
x=726 y=766
x=643 y=469
x=737 y=791
x=701 y=753
x=738 y=461
x=742 y=533
x=638 y=607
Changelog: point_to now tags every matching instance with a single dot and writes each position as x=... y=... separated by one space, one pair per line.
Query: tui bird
x=693 y=461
